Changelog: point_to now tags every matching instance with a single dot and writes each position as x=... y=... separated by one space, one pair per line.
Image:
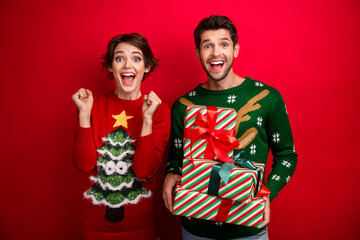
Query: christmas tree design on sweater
x=116 y=184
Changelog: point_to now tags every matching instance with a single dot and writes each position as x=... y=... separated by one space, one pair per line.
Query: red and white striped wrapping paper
x=241 y=185
x=191 y=203
x=226 y=120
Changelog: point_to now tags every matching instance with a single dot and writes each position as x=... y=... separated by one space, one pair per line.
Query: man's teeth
x=217 y=63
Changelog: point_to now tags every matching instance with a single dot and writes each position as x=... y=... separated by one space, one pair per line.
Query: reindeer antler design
x=247 y=138
x=250 y=106
x=242 y=116
x=185 y=102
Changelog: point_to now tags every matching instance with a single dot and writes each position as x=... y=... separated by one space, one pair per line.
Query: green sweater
x=263 y=125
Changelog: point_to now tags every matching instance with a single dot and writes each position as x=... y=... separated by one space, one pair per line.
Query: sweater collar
x=114 y=98
x=225 y=91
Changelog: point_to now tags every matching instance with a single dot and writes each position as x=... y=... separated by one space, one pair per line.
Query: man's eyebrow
x=225 y=39
x=222 y=39
x=206 y=40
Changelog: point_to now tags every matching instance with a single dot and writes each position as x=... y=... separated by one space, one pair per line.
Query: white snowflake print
x=231 y=99
x=259 y=121
x=287 y=179
x=253 y=149
x=286 y=164
x=192 y=93
x=294 y=148
x=180 y=169
x=276 y=137
x=189 y=218
x=276 y=177
x=177 y=142
x=259 y=84
x=286 y=110
x=219 y=223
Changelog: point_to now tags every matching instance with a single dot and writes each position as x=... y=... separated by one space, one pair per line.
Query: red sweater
x=139 y=219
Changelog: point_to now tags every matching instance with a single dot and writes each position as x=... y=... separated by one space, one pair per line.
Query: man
x=262 y=123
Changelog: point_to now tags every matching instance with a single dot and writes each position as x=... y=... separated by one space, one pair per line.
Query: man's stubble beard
x=221 y=77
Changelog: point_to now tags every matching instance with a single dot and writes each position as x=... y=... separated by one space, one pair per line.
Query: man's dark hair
x=215 y=22
x=136 y=40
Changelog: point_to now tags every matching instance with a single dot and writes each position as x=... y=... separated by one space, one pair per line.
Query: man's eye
x=224 y=45
x=207 y=46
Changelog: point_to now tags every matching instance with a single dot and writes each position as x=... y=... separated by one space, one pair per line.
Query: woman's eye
x=118 y=59
x=137 y=59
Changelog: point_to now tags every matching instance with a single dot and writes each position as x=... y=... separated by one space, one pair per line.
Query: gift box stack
x=215 y=184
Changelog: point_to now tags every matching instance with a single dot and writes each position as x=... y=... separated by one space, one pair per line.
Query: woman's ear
x=147 y=69
x=109 y=69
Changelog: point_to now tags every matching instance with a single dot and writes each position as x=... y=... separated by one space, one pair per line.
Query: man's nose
x=216 y=51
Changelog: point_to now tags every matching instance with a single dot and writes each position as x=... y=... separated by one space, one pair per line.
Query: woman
x=119 y=142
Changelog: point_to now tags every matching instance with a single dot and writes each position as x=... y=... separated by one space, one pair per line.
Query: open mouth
x=128 y=78
x=216 y=64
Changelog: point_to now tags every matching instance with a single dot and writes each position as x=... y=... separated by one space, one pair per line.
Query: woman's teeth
x=128 y=76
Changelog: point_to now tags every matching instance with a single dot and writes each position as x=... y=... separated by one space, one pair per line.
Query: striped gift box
x=226 y=120
x=190 y=203
x=240 y=187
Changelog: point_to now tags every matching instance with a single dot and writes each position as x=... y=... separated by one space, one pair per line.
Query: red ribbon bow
x=220 y=141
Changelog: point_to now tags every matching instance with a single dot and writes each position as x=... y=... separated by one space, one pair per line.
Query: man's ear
x=236 y=50
x=197 y=53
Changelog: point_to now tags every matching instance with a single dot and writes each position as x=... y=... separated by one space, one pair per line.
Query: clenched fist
x=83 y=99
x=151 y=103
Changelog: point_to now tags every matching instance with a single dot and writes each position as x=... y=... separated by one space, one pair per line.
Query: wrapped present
x=209 y=132
x=204 y=176
x=194 y=204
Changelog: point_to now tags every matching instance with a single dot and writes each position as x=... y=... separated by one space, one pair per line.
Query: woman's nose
x=127 y=63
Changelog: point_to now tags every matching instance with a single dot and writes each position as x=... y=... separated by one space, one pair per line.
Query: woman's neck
x=127 y=96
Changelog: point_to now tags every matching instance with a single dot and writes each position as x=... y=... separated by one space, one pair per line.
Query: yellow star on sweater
x=121 y=119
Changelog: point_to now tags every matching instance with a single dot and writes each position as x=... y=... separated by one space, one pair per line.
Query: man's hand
x=169 y=184
x=266 y=218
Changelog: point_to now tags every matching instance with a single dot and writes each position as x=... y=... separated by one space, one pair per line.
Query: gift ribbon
x=223 y=171
x=264 y=191
x=214 y=182
x=220 y=141
x=224 y=209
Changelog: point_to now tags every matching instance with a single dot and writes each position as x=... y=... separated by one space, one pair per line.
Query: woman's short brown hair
x=136 y=40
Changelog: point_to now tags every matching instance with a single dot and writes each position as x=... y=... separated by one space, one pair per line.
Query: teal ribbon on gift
x=223 y=171
x=214 y=182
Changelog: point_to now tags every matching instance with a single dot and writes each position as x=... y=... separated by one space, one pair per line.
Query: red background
x=309 y=50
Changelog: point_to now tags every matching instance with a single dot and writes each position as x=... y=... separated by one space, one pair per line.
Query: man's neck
x=230 y=81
